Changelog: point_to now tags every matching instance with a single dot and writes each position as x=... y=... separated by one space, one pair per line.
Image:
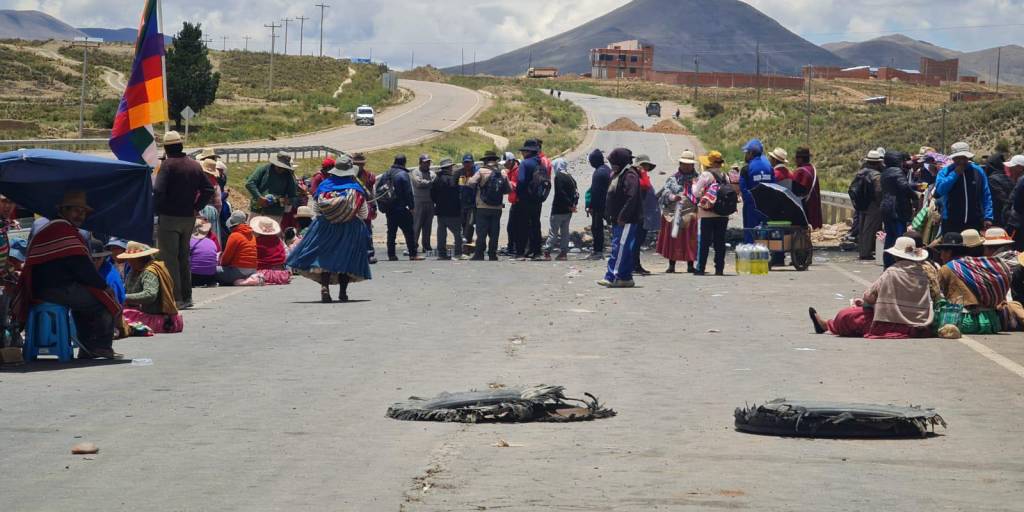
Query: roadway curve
x=437 y=109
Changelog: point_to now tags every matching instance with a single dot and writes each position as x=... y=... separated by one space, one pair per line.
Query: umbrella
x=779 y=203
x=120 y=192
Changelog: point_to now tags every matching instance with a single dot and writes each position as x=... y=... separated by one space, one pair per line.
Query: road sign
x=187 y=113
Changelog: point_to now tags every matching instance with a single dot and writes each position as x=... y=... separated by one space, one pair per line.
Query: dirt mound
x=669 y=127
x=623 y=124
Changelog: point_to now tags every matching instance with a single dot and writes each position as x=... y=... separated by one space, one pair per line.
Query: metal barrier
x=267 y=153
x=836 y=207
x=64 y=144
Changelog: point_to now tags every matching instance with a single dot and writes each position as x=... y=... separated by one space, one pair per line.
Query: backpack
x=493 y=192
x=539 y=186
x=384 y=191
x=727 y=201
x=862 y=191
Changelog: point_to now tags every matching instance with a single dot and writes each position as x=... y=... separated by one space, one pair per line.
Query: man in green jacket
x=272 y=187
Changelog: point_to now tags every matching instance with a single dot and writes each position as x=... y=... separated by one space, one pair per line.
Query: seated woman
x=150 y=298
x=270 y=250
x=203 y=251
x=974 y=286
x=238 y=261
x=896 y=306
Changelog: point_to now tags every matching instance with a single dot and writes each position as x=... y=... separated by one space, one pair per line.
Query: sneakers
x=596 y=256
x=616 y=284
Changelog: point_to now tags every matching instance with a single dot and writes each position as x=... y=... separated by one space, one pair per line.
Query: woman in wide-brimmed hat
x=150 y=298
x=974 y=286
x=679 y=242
x=270 y=250
x=899 y=305
x=334 y=249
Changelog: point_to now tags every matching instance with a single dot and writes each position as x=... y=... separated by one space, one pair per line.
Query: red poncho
x=270 y=252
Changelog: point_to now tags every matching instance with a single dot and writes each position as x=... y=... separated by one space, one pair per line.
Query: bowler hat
x=491 y=156
x=951 y=240
x=531 y=145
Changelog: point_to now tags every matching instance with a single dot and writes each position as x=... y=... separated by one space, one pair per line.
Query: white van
x=364 y=116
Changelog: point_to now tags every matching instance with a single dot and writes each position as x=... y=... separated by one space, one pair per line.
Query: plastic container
x=743 y=261
x=759 y=260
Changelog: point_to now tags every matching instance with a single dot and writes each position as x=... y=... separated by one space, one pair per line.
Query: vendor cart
x=787 y=229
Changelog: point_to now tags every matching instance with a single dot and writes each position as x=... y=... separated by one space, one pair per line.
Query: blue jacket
x=757 y=171
x=962 y=199
x=403 y=188
x=467 y=193
x=526 y=169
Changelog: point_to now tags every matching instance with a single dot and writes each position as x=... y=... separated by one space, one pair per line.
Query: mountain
x=34 y=25
x=724 y=32
x=983 y=64
x=117 y=35
x=882 y=51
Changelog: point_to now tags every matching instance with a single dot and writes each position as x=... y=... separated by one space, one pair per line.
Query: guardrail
x=836 y=207
x=267 y=153
x=65 y=144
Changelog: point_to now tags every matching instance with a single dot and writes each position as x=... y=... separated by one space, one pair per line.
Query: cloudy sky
x=438 y=30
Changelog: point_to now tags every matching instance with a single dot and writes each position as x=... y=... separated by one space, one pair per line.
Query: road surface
x=272 y=401
x=436 y=109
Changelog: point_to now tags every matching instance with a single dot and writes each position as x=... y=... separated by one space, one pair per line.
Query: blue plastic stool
x=50 y=331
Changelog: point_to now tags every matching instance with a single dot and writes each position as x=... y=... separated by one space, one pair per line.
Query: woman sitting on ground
x=239 y=259
x=270 y=250
x=203 y=249
x=975 y=285
x=150 y=298
x=896 y=306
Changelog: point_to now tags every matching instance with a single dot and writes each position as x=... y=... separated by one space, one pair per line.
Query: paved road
x=436 y=109
x=271 y=401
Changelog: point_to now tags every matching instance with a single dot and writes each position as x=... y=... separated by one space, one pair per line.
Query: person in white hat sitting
x=150 y=298
x=964 y=186
x=898 y=305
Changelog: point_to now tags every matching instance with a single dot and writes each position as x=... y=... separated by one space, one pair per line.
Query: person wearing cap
x=779 y=158
x=334 y=249
x=239 y=259
x=181 y=190
x=898 y=305
x=978 y=284
x=756 y=171
x=59 y=269
x=596 y=197
x=511 y=166
x=807 y=188
x=272 y=187
x=446 y=195
x=488 y=215
x=401 y=212
x=870 y=218
x=423 y=219
x=1015 y=208
x=368 y=180
x=150 y=300
x=712 y=227
x=203 y=252
x=677 y=193
x=625 y=212
x=651 y=211
x=898 y=200
x=468 y=196
x=529 y=242
x=325 y=170
x=101 y=259
x=963 y=188
x=565 y=199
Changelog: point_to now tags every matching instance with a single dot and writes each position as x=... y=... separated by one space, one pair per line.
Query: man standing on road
x=1015 y=216
x=401 y=211
x=422 y=179
x=531 y=192
x=757 y=170
x=272 y=188
x=898 y=200
x=563 y=205
x=866 y=194
x=625 y=211
x=964 y=187
x=446 y=196
x=491 y=185
x=599 y=183
x=468 y=194
x=368 y=180
x=180 y=191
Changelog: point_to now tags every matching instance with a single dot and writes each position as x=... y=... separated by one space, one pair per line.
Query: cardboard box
x=778 y=245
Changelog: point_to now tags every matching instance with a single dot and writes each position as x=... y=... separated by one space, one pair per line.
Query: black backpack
x=493 y=192
x=384 y=191
x=727 y=202
x=539 y=186
x=862 y=191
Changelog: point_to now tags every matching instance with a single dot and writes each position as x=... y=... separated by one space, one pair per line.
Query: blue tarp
x=120 y=192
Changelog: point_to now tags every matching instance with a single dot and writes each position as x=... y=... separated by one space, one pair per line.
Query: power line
x=247 y=38
x=302 y=24
x=286 y=21
x=322 y=7
x=273 y=37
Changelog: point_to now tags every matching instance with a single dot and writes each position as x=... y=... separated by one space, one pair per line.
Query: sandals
x=818 y=328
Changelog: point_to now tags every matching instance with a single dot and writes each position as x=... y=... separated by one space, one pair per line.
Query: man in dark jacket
x=272 y=187
x=898 y=199
x=1001 y=186
x=1015 y=215
x=599 y=183
x=445 y=192
x=181 y=190
x=870 y=218
x=400 y=213
x=563 y=205
x=964 y=187
x=468 y=195
x=625 y=212
x=529 y=243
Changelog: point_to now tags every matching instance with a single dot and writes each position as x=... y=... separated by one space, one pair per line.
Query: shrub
x=710 y=110
x=104 y=113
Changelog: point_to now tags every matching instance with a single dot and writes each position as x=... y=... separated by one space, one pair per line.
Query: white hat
x=688 y=157
x=906 y=248
x=780 y=154
x=265 y=226
x=1016 y=161
x=961 y=149
x=996 y=237
x=172 y=137
x=874 y=156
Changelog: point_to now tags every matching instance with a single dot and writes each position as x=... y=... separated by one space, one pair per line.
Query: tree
x=190 y=78
x=104 y=113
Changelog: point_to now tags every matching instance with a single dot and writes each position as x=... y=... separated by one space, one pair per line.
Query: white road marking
x=973 y=344
x=222 y=297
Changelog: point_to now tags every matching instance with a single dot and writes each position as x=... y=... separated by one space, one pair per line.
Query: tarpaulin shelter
x=121 y=193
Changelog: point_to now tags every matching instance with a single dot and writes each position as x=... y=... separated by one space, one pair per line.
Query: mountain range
x=39 y=26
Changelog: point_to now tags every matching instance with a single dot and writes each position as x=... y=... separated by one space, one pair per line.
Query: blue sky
x=438 y=30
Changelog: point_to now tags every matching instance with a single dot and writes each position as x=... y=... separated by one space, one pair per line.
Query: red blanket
x=58 y=239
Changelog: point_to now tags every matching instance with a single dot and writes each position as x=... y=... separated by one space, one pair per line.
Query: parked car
x=364 y=116
x=654 y=109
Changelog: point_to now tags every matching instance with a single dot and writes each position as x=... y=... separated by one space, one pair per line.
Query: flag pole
x=163 y=62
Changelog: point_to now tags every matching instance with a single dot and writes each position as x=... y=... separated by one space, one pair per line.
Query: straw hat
x=221 y=166
x=265 y=226
x=874 y=156
x=74 y=198
x=172 y=137
x=688 y=157
x=972 y=238
x=997 y=236
x=906 y=248
x=711 y=158
x=210 y=167
x=780 y=155
x=208 y=154
x=202 y=228
x=358 y=158
x=961 y=149
x=304 y=212
x=137 y=250
x=645 y=160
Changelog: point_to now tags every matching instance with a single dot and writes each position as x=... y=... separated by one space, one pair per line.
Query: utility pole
x=85 y=43
x=412 y=61
x=286 y=21
x=999 y=63
x=530 y=64
x=273 y=38
x=302 y=26
x=810 y=75
x=474 y=62
x=247 y=38
x=757 y=68
x=944 y=111
x=462 y=70
x=322 y=7
x=206 y=42
x=891 y=82
x=224 y=43
x=696 y=77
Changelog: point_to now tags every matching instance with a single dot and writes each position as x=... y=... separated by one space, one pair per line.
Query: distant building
x=626 y=59
x=832 y=73
x=944 y=70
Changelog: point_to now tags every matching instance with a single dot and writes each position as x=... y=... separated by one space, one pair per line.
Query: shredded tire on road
x=830 y=419
x=512 y=405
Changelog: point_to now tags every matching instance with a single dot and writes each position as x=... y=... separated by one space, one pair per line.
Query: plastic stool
x=50 y=331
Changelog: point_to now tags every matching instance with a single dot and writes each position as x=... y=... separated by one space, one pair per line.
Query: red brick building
x=626 y=59
x=714 y=79
x=832 y=73
x=944 y=70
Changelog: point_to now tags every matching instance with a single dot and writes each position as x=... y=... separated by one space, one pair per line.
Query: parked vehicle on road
x=654 y=109
x=365 y=116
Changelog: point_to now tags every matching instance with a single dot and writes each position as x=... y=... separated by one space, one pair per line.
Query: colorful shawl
x=167 y=304
x=337 y=201
x=56 y=240
x=988 y=278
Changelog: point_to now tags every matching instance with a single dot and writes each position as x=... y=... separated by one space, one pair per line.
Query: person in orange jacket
x=239 y=259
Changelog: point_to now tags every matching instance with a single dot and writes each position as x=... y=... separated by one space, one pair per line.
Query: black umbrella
x=779 y=203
